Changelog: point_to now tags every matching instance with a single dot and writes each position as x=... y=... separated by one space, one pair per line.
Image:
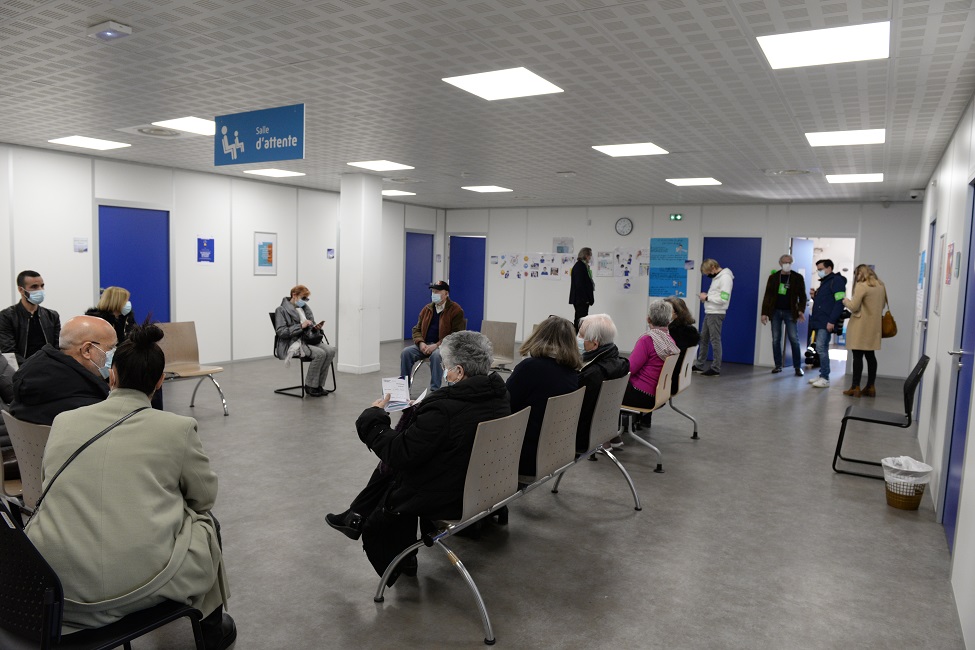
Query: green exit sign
x=676 y=217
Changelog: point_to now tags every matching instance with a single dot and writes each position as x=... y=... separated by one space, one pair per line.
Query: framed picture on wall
x=265 y=253
x=941 y=273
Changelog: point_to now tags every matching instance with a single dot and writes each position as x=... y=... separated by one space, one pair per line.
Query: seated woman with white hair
x=600 y=361
x=647 y=358
x=424 y=459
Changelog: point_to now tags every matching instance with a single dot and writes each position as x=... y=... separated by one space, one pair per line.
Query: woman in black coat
x=115 y=307
x=424 y=460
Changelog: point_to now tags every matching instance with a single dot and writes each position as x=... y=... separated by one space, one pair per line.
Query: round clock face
x=624 y=226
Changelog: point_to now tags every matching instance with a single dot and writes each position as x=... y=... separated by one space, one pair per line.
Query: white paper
x=397 y=388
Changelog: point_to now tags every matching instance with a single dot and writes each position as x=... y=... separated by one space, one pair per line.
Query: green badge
x=782 y=289
x=839 y=295
x=725 y=295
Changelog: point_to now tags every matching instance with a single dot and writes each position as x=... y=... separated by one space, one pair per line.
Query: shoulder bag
x=888 y=327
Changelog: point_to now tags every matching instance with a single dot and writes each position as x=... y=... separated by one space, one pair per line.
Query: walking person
x=716 y=300
x=863 y=334
x=785 y=305
x=581 y=286
x=827 y=310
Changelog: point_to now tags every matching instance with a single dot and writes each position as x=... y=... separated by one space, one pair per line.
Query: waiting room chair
x=29 y=441
x=664 y=388
x=182 y=351
x=682 y=381
x=11 y=489
x=502 y=337
x=290 y=390
x=492 y=482
x=557 y=438
x=606 y=426
x=889 y=418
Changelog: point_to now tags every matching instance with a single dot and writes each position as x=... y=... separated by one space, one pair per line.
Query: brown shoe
x=853 y=392
x=869 y=391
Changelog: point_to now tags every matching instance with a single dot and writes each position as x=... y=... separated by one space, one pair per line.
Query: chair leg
x=555 y=488
x=197 y=632
x=416 y=366
x=301 y=385
x=626 y=475
x=482 y=608
x=838 y=455
x=660 y=459
x=389 y=569
x=223 y=399
x=689 y=417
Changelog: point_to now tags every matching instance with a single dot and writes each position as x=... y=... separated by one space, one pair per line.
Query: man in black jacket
x=61 y=379
x=581 y=287
x=784 y=304
x=26 y=327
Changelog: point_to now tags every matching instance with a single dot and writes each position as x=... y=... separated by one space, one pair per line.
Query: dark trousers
x=581 y=312
x=385 y=532
x=634 y=397
x=858 y=367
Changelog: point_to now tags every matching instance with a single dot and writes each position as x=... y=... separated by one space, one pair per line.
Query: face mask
x=107 y=366
x=821 y=273
x=447 y=383
x=127 y=308
x=786 y=268
x=581 y=342
x=35 y=297
x=712 y=275
x=435 y=297
x=301 y=302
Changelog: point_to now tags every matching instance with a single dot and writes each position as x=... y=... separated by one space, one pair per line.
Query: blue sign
x=260 y=136
x=204 y=250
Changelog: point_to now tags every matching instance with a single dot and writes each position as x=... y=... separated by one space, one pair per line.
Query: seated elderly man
x=74 y=374
x=600 y=361
x=437 y=320
x=424 y=459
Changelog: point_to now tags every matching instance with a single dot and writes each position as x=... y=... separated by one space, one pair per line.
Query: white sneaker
x=820 y=383
x=813 y=379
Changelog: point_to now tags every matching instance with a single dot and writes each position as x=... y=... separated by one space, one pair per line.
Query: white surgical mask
x=581 y=342
x=786 y=267
x=445 y=381
x=36 y=297
x=104 y=369
x=821 y=273
x=127 y=308
x=435 y=297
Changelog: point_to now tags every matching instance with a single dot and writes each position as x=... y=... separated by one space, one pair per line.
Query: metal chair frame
x=289 y=391
x=174 y=370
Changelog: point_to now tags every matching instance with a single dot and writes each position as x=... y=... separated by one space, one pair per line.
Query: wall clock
x=624 y=226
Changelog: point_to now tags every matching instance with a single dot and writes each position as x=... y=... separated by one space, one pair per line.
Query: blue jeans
x=411 y=354
x=822 y=349
x=782 y=317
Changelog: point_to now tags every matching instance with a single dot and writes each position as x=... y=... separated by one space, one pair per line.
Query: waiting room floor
x=749 y=540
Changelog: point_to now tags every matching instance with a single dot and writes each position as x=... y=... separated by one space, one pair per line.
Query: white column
x=360 y=232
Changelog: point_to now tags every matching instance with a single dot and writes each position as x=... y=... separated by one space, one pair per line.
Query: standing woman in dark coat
x=552 y=368
x=115 y=307
x=581 y=286
x=600 y=361
x=424 y=461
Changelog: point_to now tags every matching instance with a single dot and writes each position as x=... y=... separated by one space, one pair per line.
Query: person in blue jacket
x=827 y=311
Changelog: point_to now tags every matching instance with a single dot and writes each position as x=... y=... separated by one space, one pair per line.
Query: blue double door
x=742 y=255
x=465 y=274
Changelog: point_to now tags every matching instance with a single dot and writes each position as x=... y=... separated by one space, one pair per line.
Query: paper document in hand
x=397 y=388
x=392 y=407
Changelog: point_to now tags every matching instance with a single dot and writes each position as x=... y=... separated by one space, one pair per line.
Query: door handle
x=959 y=354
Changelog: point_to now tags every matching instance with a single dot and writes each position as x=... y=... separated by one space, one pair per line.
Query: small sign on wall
x=204 y=250
x=81 y=244
x=265 y=253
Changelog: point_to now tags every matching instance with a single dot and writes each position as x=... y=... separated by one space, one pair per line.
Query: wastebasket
x=905 y=479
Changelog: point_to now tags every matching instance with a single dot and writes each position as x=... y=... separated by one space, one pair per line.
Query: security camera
x=916 y=194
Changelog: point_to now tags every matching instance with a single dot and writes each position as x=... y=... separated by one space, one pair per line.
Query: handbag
x=312 y=336
x=888 y=327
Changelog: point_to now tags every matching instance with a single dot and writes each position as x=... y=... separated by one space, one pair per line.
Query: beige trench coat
x=125 y=525
x=867 y=310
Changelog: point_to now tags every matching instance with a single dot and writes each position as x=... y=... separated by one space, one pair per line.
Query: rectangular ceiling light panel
x=379 y=165
x=190 y=124
x=840 y=138
x=89 y=143
x=854 y=178
x=824 y=46
x=398 y=193
x=504 y=84
x=633 y=149
x=688 y=182
x=486 y=188
x=273 y=173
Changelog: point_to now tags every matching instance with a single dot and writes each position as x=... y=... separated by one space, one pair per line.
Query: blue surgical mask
x=581 y=342
x=36 y=297
x=301 y=302
x=435 y=297
x=821 y=273
x=107 y=366
x=127 y=308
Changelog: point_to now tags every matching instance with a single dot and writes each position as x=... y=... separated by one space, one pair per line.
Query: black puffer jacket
x=51 y=382
x=599 y=365
x=431 y=456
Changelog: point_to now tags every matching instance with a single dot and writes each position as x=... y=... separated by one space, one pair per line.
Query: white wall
x=948 y=202
x=8 y=276
x=318 y=232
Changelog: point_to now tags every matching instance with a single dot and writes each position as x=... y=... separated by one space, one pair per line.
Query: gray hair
x=660 y=313
x=471 y=351
x=598 y=328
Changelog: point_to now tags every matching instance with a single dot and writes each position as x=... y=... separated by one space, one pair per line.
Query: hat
x=440 y=286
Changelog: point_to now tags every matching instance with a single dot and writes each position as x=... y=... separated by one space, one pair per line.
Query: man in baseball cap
x=441 y=317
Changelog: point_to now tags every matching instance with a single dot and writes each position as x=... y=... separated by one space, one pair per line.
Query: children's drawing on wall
x=604 y=263
x=625 y=284
x=563 y=245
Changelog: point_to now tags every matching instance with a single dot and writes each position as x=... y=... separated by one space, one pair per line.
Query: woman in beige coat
x=863 y=330
x=127 y=524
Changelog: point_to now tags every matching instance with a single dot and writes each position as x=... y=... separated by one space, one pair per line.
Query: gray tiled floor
x=749 y=540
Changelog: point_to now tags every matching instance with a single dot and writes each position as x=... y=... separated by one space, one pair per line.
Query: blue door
x=963 y=395
x=743 y=256
x=418 y=277
x=802 y=262
x=466 y=277
x=133 y=253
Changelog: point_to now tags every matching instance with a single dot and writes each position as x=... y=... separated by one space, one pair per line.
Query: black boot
x=219 y=630
x=348 y=523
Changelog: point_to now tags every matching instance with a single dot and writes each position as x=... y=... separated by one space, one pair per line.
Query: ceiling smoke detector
x=109 y=31
x=158 y=132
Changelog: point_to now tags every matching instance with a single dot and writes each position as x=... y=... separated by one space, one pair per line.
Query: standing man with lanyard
x=26 y=327
x=581 y=286
x=785 y=304
x=826 y=312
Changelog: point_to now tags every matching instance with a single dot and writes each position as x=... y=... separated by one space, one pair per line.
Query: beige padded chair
x=183 y=358
x=29 y=440
x=11 y=489
x=502 y=337
x=682 y=381
x=557 y=438
x=664 y=387
x=492 y=482
x=606 y=426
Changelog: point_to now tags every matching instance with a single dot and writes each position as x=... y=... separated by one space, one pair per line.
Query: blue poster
x=668 y=282
x=204 y=250
x=260 y=136
x=668 y=268
x=265 y=254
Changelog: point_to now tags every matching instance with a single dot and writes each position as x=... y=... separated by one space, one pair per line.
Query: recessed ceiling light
x=504 y=84
x=191 y=124
x=379 y=165
x=786 y=172
x=837 y=138
x=686 y=182
x=109 y=30
x=854 y=178
x=273 y=173
x=398 y=193
x=634 y=149
x=486 y=188
x=89 y=143
x=823 y=46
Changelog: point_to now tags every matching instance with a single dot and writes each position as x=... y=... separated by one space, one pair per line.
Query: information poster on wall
x=265 y=253
x=204 y=250
x=533 y=266
x=668 y=271
x=604 y=264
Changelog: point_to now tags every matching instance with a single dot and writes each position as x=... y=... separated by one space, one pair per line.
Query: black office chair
x=32 y=603
x=290 y=390
x=889 y=418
